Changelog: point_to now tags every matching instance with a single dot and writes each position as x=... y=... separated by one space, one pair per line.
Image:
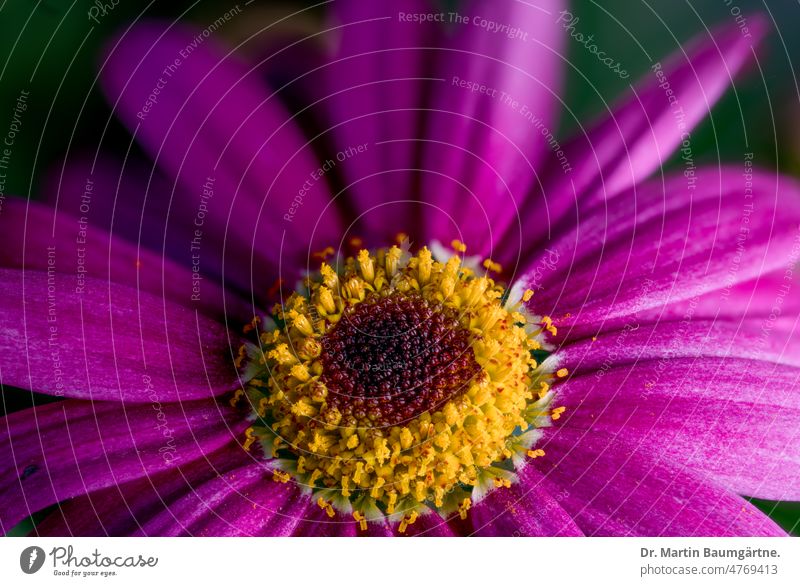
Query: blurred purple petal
x=641 y=134
x=375 y=86
x=207 y=120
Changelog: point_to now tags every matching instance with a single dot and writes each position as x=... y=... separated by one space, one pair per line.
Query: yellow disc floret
x=398 y=383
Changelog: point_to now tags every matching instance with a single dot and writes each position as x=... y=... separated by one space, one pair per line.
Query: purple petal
x=642 y=133
x=375 y=83
x=481 y=149
x=530 y=508
x=246 y=502
x=214 y=127
x=100 y=340
x=430 y=524
x=30 y=232
x=210 y=506
x=690 y=338
x=612 y=487
x=660 y=246
x=756 y=298
x=736 y=420
x=70 y=448
x=121 y=509
x=317 y=523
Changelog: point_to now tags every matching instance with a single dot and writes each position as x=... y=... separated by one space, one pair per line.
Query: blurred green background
x=51 y=48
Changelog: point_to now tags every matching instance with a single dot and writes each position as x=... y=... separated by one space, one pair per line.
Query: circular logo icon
x=31 y=559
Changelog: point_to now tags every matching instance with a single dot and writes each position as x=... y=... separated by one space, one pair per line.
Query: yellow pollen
x=281 y=476
x=464 y=507
x=361 y=519
x=458 y=246
x=562 y=372
x=366 y=266
x=425 y=262
x=547 y=322
x=250 y=438
x=392 y=260
x=323 y=254
x=535 y=453
x=263 y=404
x=327 y=507
x=490 y=265
x=407 y=520
x=392 y=502
x=236 y=396
x=556 y=413
x=240 y=358
x=327 y=304
x=527 y=295
x=252 y=325
x=543 y=389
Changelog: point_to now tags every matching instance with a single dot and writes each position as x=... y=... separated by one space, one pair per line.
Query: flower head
x=398 y=384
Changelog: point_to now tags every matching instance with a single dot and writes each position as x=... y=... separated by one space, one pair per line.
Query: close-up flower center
x=396 y=383
x=394 y=358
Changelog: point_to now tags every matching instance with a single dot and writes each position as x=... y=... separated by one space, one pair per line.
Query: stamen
x=490 y=265
x=458 y=246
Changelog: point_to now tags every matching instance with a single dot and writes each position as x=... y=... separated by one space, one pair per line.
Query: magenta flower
x=614 y=355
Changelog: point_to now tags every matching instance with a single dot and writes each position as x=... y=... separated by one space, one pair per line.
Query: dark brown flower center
x=390 y=360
